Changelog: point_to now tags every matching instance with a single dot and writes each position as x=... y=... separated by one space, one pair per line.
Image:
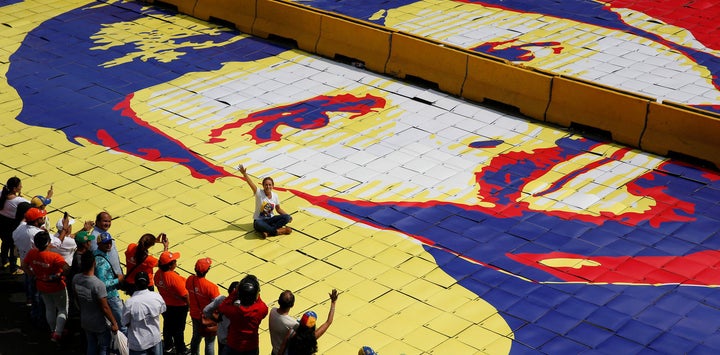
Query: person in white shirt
x=141 y=314
x=23 y=239
x=280 y=322
x=269 y=219
x=103 y=222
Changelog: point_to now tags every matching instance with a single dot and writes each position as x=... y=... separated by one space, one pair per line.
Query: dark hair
x=268 y=178
x=286 y=299
x=233 y=286
x=142 y=280
x=248 y=290
x=22 y=207
x=166 y=267
x=303 y=342
x=144 y=243
x=12 y=183
x=41 y=240
x=87 y=260
x=99 y=216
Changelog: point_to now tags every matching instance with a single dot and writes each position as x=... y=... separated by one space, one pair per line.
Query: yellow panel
x=370 y=43
x=621 y=114
x=288 y=20
x=239 y=12
x=428 y=60
x=183 y=6
x=448 y=324
x=680 y=129
x=342 y=280
x=424 y=338
x=455 y=346
x=497 y=80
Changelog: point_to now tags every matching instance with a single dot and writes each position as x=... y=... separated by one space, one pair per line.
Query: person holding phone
x=138 y=258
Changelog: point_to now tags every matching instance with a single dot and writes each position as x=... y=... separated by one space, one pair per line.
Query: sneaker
x=55 y=337
x=5 y=265
x=18 y=271
x=284 y=231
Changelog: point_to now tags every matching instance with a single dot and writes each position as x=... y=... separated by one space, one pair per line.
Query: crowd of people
x=79 y=274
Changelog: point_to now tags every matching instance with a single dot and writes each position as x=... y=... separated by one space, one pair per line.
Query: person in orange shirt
x=202 y=292
x=138 y=258
x=48 y=269
x=172 y=289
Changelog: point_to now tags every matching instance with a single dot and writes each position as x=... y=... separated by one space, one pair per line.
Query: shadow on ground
x=19 y=335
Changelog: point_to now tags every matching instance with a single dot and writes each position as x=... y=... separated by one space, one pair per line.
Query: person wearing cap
x=23 y=240
x=48 y=269
x=91 y=296
x=211 y=311
x=171 y=287
x=105 y=272
x=245 y=317
x=202 y=291
x=40 y=201
x=138 y=258
x=366 y=350
x=304 y=339
x=103 y=222
x=141 y=315
x=267 y=203
x=82 y=242
x=66 y=246
x=280 y=322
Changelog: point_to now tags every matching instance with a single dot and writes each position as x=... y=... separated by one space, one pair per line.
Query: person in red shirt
x=245 y=317
x=48 y=268
x=138 y=258
x=171 y=287
x=202 y=292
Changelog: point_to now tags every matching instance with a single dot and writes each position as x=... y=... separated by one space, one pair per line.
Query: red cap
x=167 y=257
x=33 y=214
x=203 y=265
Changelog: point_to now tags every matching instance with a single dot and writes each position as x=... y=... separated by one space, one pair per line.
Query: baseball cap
x=83 y=237
x=59 y=224
x=308 y=319
x=203 y=265
x=39 y=201
x=142 y=278
x=167 y=257
x=104 y=237
x=33 y=214
x=366 y=350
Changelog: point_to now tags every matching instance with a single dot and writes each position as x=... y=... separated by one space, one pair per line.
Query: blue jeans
x=97 y=343
x=156 y=349
x=116 y=307
x=271 y=225
x=196 y=338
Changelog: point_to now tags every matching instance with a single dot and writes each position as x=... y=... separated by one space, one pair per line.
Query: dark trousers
x=7 y=250
x=174 y=320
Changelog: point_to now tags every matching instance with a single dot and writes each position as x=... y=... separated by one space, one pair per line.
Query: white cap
x=59 y=223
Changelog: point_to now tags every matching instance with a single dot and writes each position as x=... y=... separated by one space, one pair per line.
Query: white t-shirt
x=279 y=325
x=11 y=207
x=265 y=206
x=66 y=248
x=23 y=236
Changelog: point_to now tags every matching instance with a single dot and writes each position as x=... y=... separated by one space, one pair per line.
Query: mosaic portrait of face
x=540 y=229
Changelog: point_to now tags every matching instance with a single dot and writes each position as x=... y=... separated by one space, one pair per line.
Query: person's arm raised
x=331 y=314
x=247 y=178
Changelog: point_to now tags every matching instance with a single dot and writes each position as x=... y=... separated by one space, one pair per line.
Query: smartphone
x=65 y=215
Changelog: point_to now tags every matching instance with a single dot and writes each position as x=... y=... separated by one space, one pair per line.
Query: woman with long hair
x=10 y=197
x=138 y=258
x=303 y=340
